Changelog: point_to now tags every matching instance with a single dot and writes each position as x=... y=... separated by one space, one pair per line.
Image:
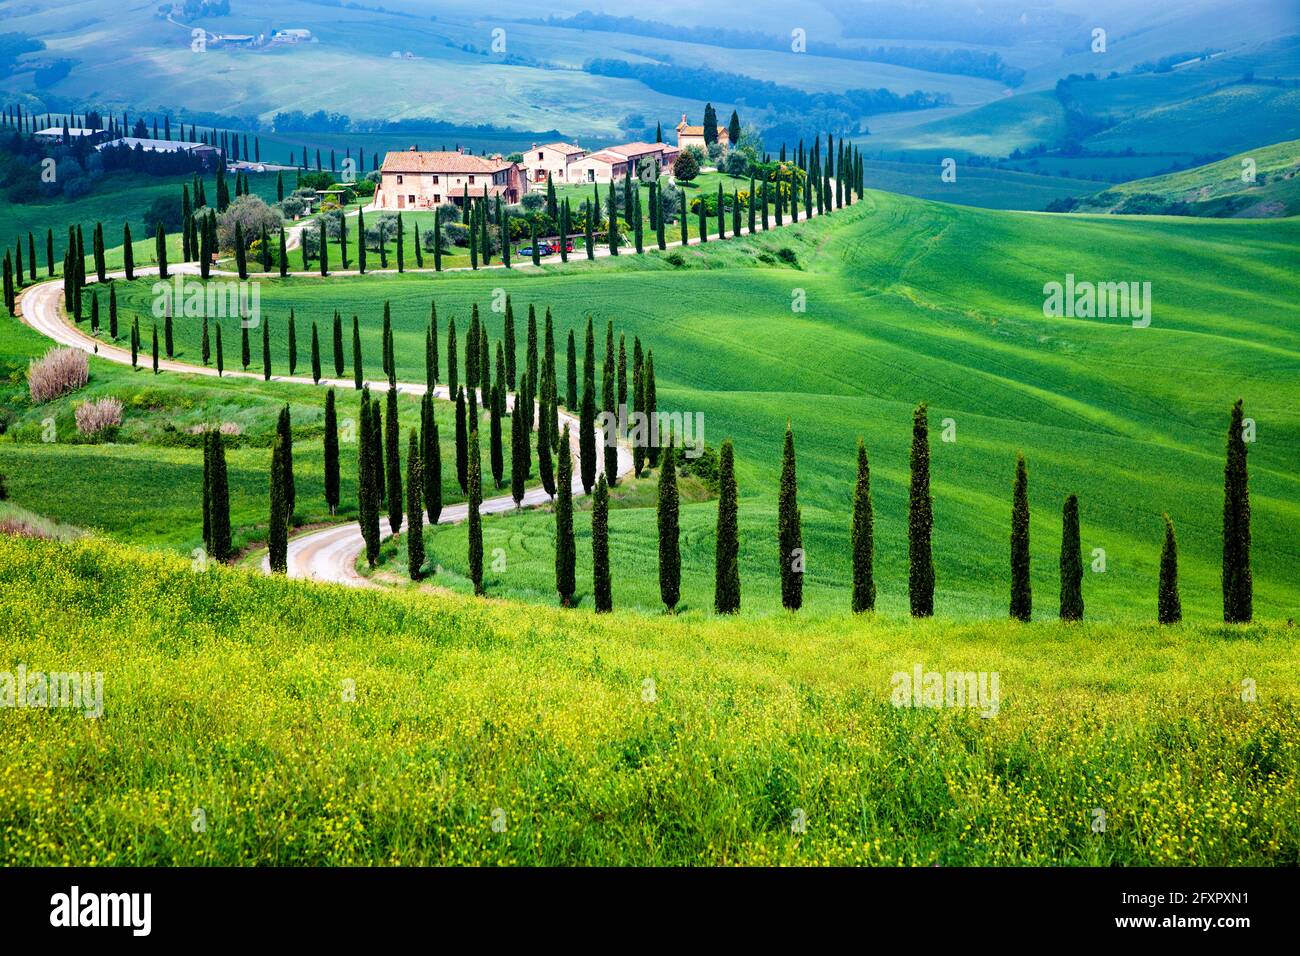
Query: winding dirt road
x=329 y=554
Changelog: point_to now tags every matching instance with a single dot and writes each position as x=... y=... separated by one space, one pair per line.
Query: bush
x=59 y=372
x=675 y=259
x=787 y=255
x=686 y=167
x=252 y=214
x=96 y=417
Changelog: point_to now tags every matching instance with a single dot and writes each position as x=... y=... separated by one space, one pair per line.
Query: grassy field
x=909 y=301
x=316 y=725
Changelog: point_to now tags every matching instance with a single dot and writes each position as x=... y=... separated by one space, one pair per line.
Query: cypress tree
x=704 y=220
x=564 y=233
x=241 y=254
x=920 y=520
x=640 y=438
x=135 y=343
x=545 y=465
x=1071 y=562
x=638 y=225
x=452 y=374
x=414 y=513
x=1169 y=606
x=358 y=373
x=565 y=549
x=101 y=270
x=266 y=351
x=160 y=250
x=1237 y=584
x=622 y=383
x=494 y=438
x=462 y=443
x=601 y=588
x=155 y=348
x=324 y=251
x=419 y=253
x=722 y=214
x=338 y=344
x=367 y=494
x=219 y=499
x=205 y=345
x=657 y=203
x=431 y=459
x=753 y=203
x=126 y=252
x=278 y=527
x=789 y=528
x=377 y=465
x=401 y=257
x=484 y=366
x=571 y=375
x=221 y=354
x=284 y=429
x=862 y=535
x=315 y=354
x=392 y=461
x=245 y=353
x=612 y=230
x=361 y=241
x=284 y=254
x=1021 y=593
x=293 y=344
x=475 y=518
x=207 y=489
x=519 y=465
x=112 y=315
x=609 y=398
x=437 y=240
x=266 y=250
x=726 y=586
x=670 y=557
x=735 y=213
x=587 y=422
x=509 y=335
x=331 y=453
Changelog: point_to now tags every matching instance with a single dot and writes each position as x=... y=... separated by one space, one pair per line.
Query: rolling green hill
x=910 y=301
x=1219 y=189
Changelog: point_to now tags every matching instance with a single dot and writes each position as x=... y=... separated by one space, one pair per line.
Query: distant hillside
x=1221 y=189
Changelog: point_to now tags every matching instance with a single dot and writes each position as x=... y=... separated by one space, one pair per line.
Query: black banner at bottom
x=336 y=906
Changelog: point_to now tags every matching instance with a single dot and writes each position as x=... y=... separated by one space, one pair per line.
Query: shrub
x=675 y=259
x=686 y=167
x=60 y=371
x=94 y=417
x=787 y=255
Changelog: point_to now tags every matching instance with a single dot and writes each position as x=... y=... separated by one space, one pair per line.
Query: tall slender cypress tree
x=221 y=354
x=1169 y=608
x=338 y=344
x=293 y=344
x=726 y=586
x=1237 y=583
x=1021 y=589
x=601 y=588
x=414 y=513
x=245 y=353
x=609 y=400
x=315 y=354
x=278 y=527
x=430 y=459
x=207 y=489
x=358 y=372
x=651 y=410
x=462 y=442
x=266 y=350
x=1071 y=562
x=284 y=428
x=670 y=555
x=453 y=375
x=518 y=452
x=431 y=350
x=862 y=537
x=496 y=452
x=475 y=518
x=571 y=375
x=920 y=520
x=331 y=453
x=367 y=494
x=392 y=459
x=789 y=528
x=508 y=335
x=219 y=499
x=565 y=553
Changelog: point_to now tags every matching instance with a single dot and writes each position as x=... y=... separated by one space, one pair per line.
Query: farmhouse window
x=411 y=200
x=435 y=178
x=471 y=180
x=399 y=179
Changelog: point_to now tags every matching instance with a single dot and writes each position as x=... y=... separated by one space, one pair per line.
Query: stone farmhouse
x=688 y=135
x=573 y=165
x=423 y=180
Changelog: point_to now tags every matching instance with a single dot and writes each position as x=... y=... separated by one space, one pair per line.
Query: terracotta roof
x=639 y=149
x=567 y=148
x=684 y=130
x=605 y=156
x=410 y=161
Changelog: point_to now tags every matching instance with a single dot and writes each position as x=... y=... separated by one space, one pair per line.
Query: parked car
x=543 y=249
